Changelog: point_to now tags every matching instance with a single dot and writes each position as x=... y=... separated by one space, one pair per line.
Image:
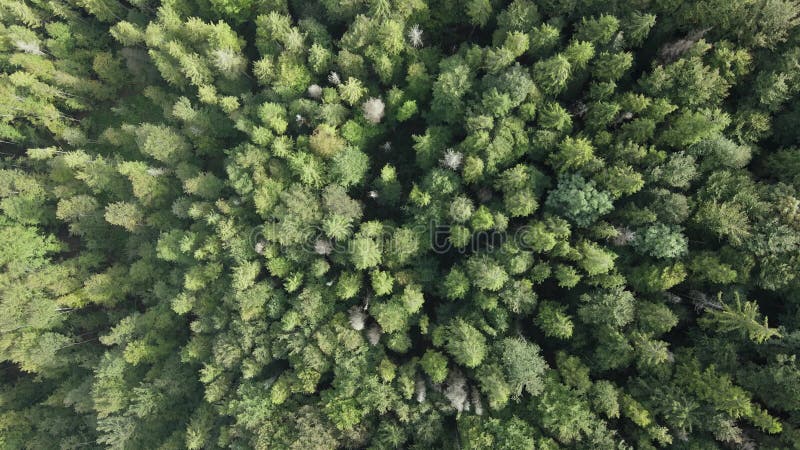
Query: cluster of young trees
x=218 y=223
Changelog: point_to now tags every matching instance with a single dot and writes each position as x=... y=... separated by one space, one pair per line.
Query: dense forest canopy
x=422 y=224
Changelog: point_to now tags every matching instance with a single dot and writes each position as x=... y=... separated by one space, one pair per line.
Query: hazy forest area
x=399 y=224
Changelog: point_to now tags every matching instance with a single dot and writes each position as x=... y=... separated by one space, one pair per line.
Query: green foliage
x=553 y=321
x=464 y=342
x=435 y=365
x=552 y=74
x=523 y=365
x=325 y=141
x=741 y=318
x=578 y=200
x=661 y=241
x=572 y=154
x=377 y=224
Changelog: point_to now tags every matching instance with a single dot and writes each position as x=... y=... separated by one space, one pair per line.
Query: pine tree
x=374 y=224
x=741 y=318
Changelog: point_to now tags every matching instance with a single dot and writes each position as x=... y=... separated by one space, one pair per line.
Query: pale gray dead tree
x=456 y=390
x=334 y=79
x=420 y=390
x=374 y=334
x=373 y=110
x=315 y=91
x=357 y=318
x=415 y=36
x=674 y=50
x=452 y=159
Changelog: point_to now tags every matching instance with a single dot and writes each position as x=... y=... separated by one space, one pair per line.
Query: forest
x=399 y=224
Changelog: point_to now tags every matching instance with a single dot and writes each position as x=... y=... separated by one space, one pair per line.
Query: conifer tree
x=399 y=224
